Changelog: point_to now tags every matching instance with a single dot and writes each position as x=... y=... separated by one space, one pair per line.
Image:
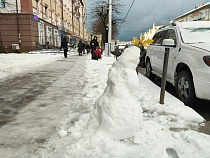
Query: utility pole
x=110 y=27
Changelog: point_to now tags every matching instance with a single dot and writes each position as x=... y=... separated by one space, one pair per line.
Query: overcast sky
x=146 y=12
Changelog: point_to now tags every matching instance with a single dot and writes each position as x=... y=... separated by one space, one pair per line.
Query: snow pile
x=118 y=112
x=165 y=129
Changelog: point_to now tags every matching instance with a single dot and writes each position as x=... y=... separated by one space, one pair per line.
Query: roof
x=200 y=7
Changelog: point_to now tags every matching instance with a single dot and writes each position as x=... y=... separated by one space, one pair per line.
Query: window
x=200 y=16
x=49 y=35
x=37 y=6
x=46 y=11
x=2 y=3
x=170 y=34
x=41 y=33
x=158 y=38
x=56 y=38
x=206 y=15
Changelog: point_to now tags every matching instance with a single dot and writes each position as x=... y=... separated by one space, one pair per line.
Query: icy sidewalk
x=46 y=115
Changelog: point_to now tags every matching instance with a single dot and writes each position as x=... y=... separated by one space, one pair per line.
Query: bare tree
x=100 y=14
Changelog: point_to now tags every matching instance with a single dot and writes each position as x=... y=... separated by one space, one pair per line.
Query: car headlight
x=206 y=59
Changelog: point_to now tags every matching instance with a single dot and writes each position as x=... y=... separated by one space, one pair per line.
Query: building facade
x=33 y=24
x=200 y=12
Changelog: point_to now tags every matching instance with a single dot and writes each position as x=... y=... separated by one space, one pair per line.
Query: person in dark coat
x=87 y=47
x=80 y=47
x=64 y=45
x=142 y=56
x=93 y=45
x=83 y=47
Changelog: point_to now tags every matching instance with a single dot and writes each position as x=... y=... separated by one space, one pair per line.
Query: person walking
x=80 y=47
x=83 y=47
x=143 y=52
x=87 y=47
x=142 y=56
x=93 y=45
x=64 y=45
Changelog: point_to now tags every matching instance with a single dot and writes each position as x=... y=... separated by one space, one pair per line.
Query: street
x=35 y=101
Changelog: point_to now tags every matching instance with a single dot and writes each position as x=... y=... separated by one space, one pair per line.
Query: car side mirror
x=168 y=43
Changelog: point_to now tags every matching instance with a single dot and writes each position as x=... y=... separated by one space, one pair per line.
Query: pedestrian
x=47 y=45
x=80 y=47
x=142 y=56
x=97 y=53
x=83 y=47
x=143 y=52
x=93 y=45
x=87 y=47
x=64 y=45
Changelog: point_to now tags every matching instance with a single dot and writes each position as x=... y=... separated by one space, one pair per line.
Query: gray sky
x=146 y=12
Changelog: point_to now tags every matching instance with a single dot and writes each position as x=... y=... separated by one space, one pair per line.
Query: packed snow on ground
x=121 y=117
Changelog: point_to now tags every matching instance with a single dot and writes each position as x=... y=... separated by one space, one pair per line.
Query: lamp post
x=18 y=25
x=62 y=20
x=107 y=31
x=110 y=25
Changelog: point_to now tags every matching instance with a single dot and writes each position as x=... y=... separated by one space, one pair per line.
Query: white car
x=189 y=59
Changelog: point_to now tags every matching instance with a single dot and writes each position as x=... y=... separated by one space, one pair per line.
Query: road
x=34 y=104
x=202 y=106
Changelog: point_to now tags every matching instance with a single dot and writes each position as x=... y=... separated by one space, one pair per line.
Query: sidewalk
x=45 y=95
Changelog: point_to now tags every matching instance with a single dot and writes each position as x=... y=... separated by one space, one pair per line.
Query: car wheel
x=185 y=90
x=149 y=70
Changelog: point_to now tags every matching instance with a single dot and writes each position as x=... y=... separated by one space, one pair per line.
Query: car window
x=196 y=35
x=158 y=38
x=170 y=34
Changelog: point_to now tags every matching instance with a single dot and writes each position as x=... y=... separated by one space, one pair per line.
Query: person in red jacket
x=97 y=54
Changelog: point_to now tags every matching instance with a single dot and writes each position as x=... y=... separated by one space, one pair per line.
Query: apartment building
x=200 y=12
x=27 y=25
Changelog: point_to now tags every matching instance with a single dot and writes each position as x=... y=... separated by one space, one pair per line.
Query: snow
x=194 y=31
x=120 y=115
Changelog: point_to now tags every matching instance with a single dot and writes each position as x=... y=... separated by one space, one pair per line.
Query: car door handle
x=160 y=50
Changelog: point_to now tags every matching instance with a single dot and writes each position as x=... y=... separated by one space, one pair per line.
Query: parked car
x=189 y=59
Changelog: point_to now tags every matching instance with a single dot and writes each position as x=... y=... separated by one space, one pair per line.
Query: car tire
x=185 y=90
x=149 y=73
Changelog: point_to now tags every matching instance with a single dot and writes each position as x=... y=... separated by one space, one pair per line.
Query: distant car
x=189 y=59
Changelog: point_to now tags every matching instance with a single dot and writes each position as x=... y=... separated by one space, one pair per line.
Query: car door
x=171 y=34
x=158 y=52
